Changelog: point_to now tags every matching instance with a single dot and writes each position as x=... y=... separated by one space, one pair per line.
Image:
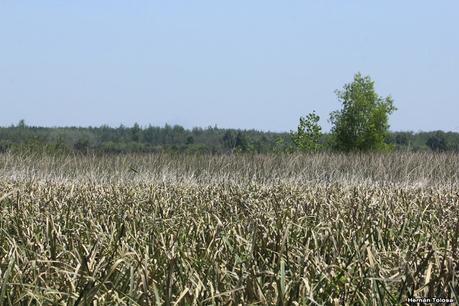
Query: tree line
x=114 y=140
x=360 y=125
x=149 y=139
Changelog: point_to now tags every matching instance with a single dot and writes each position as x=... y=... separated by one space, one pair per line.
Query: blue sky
x=236 y=64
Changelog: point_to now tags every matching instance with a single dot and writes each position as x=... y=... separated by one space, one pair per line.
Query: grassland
x=250 y=229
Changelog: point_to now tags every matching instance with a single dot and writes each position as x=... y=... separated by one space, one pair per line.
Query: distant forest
x=137 y=139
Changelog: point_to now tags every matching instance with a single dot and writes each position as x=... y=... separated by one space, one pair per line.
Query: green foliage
x=22 y=138
x=122 y=139
x=437 y=142
x=81 y=145
x=22 y=124
x=241 y=143
x=281 y=146
x=135 y=132
x=403 y=138
x=362 y=123
x=229 y=140
x=37 y=145
x=308 y=135
x=189 y=140
x=236 y=142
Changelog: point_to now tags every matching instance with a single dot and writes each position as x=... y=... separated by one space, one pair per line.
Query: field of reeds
x=325 y=229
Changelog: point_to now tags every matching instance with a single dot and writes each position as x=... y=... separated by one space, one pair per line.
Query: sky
x=249 y=64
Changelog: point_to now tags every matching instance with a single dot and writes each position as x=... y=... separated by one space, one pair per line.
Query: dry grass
x=407 y=169
x=159 y=229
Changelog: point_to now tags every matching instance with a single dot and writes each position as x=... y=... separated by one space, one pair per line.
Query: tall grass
x=183 y=230
x=419 y=169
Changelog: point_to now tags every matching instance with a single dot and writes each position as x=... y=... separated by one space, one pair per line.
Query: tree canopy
x=362 y=123
x=308 y=134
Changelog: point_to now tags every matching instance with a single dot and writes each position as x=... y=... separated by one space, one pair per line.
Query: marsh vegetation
x=228 y=229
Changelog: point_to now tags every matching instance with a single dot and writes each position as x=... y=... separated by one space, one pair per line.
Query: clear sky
x=236 y=64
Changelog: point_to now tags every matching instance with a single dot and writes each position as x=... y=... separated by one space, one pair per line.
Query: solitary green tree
x=307 y=136
x=362 y=124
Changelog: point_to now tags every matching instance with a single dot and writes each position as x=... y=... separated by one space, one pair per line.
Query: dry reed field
x=325 y=229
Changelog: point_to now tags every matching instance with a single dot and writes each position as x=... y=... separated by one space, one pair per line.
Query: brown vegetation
x=248 y=229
